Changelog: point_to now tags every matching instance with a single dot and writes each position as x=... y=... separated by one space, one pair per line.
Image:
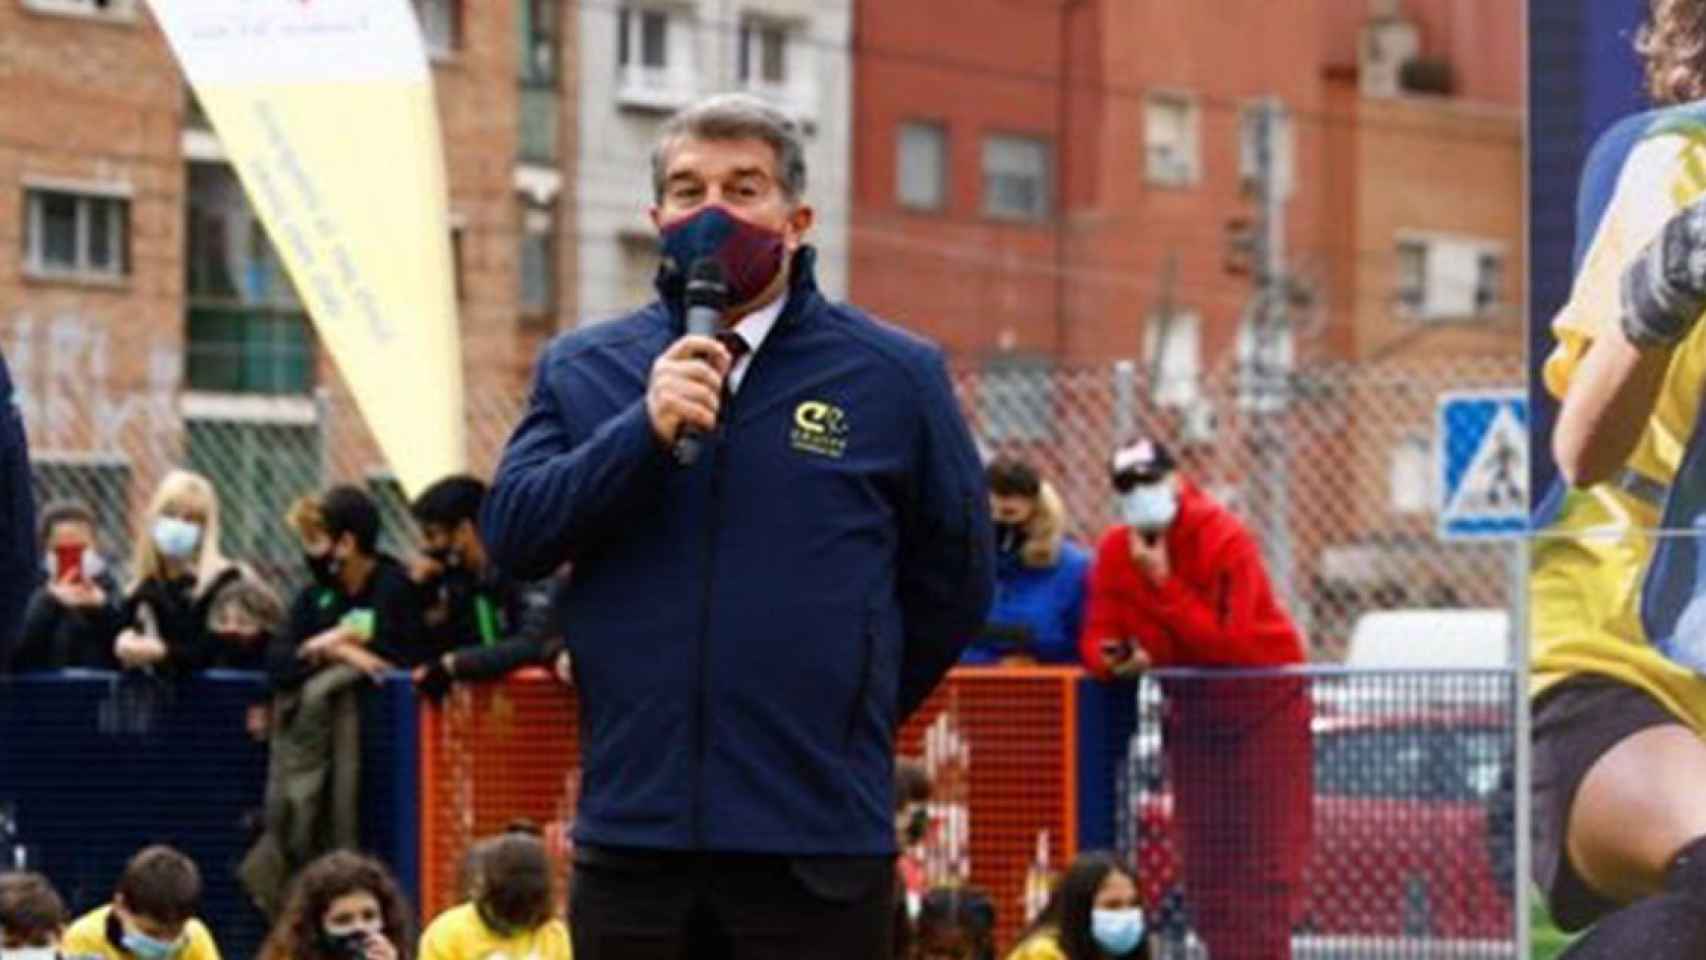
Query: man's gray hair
x=735 y=116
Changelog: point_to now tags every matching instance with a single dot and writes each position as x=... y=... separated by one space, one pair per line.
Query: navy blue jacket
x=19 y=567
x=748 y=632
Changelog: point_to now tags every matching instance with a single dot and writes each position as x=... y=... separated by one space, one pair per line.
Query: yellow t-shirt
x=460 y=934
x=87 y=937
x=1589 y=564
x=1043 y=945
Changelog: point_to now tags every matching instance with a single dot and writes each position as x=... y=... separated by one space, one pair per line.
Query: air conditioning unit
x=1387 y=44
x=1452 y=280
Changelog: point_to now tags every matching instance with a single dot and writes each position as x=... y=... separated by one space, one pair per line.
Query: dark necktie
x=735 y=344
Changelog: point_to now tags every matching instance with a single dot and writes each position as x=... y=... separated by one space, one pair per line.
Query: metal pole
x=1519 y=623
x=1125 y=401
x=1269 y=374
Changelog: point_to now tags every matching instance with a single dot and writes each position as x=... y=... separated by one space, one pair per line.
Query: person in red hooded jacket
x=1181 y=584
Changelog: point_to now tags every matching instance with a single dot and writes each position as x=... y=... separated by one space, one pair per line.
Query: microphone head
x=705 y=284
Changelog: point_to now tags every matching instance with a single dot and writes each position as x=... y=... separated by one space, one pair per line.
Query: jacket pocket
x=867 y=658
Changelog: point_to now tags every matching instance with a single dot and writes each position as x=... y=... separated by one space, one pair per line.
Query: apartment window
x=1172 y=352
x=537 y=288
x=1015 y=177
x=538 y=61
x=1410 y=475
x=441 y=26
x=1489 y=283
x=246 y=329
x=229 y=257
x=763 y=54
x=1016 y=400
x=1170 y=140
x=643 y=39
x=114 y=9
x=921 y=165
x=76 y=234
x=1283 y=146
x=1412 y=271
x=1447 y=278
x=653 y=58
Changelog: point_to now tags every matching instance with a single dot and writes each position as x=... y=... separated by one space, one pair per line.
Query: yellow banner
x=325 y=110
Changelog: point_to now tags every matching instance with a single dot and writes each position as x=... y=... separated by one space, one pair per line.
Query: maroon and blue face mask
x=749 y=254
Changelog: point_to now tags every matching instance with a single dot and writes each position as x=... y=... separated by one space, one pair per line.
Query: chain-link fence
x=1333 y=470
x=1345 y=813
x=1000 y=746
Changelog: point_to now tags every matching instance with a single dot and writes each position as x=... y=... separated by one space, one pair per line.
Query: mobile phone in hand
x=68 y=563
x=1114 y=651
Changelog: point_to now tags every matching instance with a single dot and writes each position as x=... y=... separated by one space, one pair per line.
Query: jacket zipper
x=702 y=696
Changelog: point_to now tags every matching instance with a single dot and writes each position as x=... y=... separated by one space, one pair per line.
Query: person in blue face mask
x=1095 y=914
x=1039 y=573
x=151 y=916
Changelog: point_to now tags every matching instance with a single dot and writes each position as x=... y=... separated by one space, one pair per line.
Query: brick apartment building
x=144 y=314
x=1037 y=185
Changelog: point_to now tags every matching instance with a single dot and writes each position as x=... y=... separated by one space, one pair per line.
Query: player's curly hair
x=295 y=936
x=1673 y=44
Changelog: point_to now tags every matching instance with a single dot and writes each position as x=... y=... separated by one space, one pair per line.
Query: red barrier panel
x=1002 y=741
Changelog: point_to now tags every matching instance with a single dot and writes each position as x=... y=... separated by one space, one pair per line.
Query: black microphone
x=706 y=299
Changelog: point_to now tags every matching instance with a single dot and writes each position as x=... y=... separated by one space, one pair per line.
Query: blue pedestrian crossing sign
x=1482 y=457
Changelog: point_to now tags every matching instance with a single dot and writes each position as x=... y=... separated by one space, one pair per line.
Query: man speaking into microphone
x=780 y=542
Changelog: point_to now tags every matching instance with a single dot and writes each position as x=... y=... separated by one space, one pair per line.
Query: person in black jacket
x=358 y=619
x=469 y=601
x=538 y=642
x=748 y=625
x=483 y=624
x=18 y=573
x=74 y=617
x=176 y=572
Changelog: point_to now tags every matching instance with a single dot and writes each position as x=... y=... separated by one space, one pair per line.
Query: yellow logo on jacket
x=820 y=428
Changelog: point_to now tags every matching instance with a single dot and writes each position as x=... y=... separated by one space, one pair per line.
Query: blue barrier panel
x=1107 y=717
x=96 y=766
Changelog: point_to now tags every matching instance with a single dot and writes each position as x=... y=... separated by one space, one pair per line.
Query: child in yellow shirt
x=510 y=913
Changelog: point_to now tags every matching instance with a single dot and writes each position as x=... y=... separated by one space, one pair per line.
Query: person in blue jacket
x=748 y=628
x=1040 y=575
x=19 y=566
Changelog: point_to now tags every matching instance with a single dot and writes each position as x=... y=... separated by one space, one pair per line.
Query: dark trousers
x=664 y=905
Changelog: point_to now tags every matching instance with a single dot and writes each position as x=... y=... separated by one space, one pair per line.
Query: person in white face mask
x=176 y=572
x=32 y=917
x=1181 y=583
x=1094 y=914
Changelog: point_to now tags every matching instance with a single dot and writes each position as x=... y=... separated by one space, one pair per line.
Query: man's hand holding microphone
x=685 y=394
